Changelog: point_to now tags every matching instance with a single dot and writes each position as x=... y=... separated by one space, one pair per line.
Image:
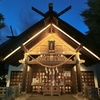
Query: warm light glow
x=61 y=55
x=50 y=34
x=76 y=42
x=11 y=53
x=41 y=55
x=26 y=42
x=28 y=69
x=66 y=34
x=59 y=77
x=63 y=52
x=24 y=59
x=78 y=59
x=39 y=52
x=36 y=34
x=91 y=52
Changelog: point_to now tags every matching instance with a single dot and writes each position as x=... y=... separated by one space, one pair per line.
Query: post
x=29 y=88
x=24 y=74
x=73 y=81
x=50 y=6
x=79 y=78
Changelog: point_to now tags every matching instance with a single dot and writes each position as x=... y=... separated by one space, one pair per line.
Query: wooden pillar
x=24 y=74
x=73 y=81
x=79 y=78
x=29 y=88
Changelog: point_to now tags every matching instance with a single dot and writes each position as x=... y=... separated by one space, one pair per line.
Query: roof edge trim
x=11 y=53
x=77 y=42
x=36 y=34
x=91 y=53
x=66 y=34
x=25 y=42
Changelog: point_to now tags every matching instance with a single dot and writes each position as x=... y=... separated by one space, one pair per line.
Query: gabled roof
x=11 y=51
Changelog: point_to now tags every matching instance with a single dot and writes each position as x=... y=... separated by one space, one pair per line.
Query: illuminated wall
x=13 y=68
x=94 y=68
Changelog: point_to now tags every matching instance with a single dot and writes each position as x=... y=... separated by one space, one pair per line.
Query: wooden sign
x=51 y=46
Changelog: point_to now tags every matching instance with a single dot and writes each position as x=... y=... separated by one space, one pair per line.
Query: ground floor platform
x=48 y=97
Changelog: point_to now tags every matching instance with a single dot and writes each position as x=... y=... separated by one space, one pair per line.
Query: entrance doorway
x=64 y=79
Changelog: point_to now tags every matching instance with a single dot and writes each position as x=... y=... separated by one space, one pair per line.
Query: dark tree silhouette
x=92 y=20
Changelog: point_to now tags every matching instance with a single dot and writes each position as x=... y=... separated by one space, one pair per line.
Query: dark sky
x=20 y=16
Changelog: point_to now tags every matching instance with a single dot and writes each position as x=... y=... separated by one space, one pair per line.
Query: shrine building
x=50 y=54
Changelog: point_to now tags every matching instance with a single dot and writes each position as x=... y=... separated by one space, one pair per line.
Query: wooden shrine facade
x=87 y=78
x=58 y=70
x=49 y=51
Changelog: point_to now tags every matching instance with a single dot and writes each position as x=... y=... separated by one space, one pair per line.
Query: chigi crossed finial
x=51 y=12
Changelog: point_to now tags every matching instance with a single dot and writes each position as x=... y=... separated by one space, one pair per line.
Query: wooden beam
x=52 y=62
x=82 y=61
x=21 y=61
x=47 y=62
x=63 y=11
x=38 y=11
x=79 y=48
x=24 y=48
x=46 y=53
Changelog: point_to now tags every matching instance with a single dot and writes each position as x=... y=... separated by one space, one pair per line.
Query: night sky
x=20 y=16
